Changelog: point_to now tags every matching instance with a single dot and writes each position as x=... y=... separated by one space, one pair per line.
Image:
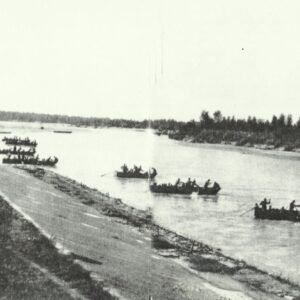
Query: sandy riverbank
x=261 y=150
x=210 y=264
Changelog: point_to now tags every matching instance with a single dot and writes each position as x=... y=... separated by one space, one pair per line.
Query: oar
x=246 y=211
x=106 y=173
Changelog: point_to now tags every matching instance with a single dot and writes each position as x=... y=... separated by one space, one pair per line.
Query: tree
x=217 y=116
x=274 y=122
x=281 y=121
x=289 y=121
x=205 y=119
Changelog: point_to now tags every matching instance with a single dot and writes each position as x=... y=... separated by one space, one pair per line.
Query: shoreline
x=261 y=149
x=256 y=149
x=274 y=153
x=194 y=255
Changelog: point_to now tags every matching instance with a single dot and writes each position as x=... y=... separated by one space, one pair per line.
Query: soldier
x=207 y=183
x=293 y=205
x=264 y=203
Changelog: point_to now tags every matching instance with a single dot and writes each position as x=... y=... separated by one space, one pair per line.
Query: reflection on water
x=92 y=155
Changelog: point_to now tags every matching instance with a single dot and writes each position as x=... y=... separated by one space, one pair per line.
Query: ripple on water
x=245 y=180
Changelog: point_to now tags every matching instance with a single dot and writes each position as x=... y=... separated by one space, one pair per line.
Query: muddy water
x=246 y=176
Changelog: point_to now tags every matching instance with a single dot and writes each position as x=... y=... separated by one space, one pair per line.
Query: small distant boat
x=171 y=189
x=5 y=132
x=62 y=131
x=276 y=214
x=137 y=175
x=184 y=189
x=31 y=161
x=19 y=142
x=19 y=151
x=209 y=190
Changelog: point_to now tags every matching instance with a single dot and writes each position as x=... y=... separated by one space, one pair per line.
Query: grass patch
x=159 y=242
x=21 y=244
x=204 y=264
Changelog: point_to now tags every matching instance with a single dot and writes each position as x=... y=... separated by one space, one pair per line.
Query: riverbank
x=261 y=141
x=255 y=150
x=114 y=253
x=207 y=262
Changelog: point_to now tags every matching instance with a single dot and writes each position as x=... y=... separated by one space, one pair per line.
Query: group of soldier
x=23 y=157
x=134 y=170
x=266 y=202
x=191 y=183
x=22 y=151
x=188 y=184
x=18 y=141
x=30 y=159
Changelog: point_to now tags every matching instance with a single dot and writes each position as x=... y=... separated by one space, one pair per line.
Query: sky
x=150 y=59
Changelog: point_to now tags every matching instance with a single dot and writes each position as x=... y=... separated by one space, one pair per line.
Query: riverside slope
x=86 y=223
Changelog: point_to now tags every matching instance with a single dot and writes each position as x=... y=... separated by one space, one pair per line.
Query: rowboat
x=31 y=161
x=277 y=214
x=171 y=189
x=209 y=190
x=17 y=152
x=184 y=189
x=19 y=142
x=62 y=131
x=137 y=175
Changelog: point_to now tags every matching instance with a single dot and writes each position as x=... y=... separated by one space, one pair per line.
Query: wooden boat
x=137 y=175
x=19 y=142
x=62 y=131
x=277 y=214
x=184 y=189
x=31 y=161
x=209 y=190
x=5 y=132
x=17 y=152
x=171 y=189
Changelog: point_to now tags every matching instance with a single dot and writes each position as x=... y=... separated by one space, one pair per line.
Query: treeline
x=72 y=120
x=252 y=124
x=93 y=122
x=280 y=131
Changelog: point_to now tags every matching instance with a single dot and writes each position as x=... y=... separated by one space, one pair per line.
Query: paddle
x=246 y=211
x=106 y=173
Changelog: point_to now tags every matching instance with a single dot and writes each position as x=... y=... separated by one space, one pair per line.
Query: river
x=246 y=176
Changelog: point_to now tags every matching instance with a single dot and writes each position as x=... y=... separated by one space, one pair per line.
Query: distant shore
x=280 y=133
x=262 y=142
x=237 y=141
x=255 y=150
x=193 y=254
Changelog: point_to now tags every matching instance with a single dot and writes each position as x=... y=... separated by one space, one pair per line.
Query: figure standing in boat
x=136 y=172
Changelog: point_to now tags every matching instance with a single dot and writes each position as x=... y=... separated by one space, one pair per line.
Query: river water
x=92 y=155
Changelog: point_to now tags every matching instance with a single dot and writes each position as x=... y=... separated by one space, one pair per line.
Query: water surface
x=92 y=155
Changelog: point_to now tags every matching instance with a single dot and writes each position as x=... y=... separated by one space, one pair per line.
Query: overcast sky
x=159 y=59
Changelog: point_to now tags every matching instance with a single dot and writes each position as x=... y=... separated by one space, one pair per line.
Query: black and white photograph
x=149 y=150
